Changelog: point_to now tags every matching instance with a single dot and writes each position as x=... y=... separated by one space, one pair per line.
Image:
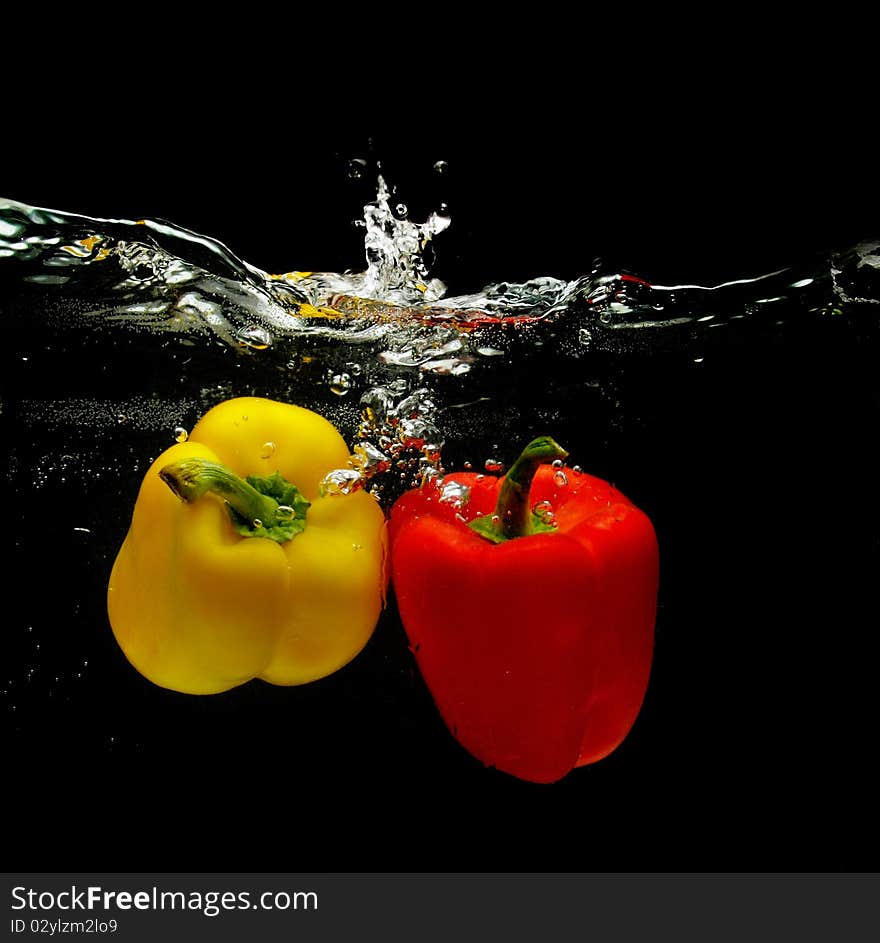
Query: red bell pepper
x=529 y=602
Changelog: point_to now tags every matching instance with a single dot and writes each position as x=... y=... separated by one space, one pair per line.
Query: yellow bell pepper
x=230 y=584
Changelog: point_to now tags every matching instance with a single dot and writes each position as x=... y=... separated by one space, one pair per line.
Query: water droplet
x=468 y=466
x=284 y=512
x=402 y=210
x=605 y=317
x=441 y=166
x=257 y=523
x=494 y=466
x=578 y=470
x=585 y=337
x=341 y=383
x=557 y=463
x=561 y=479
x=268 y=450
x=699 y=359
x=180 y=434
x=357 y=546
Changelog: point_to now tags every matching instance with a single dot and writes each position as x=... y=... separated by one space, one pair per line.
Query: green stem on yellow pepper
x=259 y=507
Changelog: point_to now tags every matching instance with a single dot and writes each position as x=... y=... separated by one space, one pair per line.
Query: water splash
x=373 y=339
x=149 y=275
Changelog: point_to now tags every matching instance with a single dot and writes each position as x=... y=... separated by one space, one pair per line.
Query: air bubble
x=455 y=494
x=356 y=168
x=268 y=450
x=257 y=523
x=441 y=167
x=341 y=481
x=402 y=210
x=494 y=466
x=341 y=383
x=370 y=460
x=255 y=337
x=284 y=512
x=180 y=434
x=543 y=510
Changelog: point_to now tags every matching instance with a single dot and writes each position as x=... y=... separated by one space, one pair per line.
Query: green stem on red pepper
x=513 y=516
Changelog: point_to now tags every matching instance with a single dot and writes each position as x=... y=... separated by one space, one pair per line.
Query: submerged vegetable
x=529 y=602
x=221 y=580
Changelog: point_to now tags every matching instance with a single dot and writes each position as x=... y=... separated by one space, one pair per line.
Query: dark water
x=748 y=437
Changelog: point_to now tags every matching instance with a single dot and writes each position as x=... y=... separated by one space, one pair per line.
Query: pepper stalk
x=513 y=516
x=258 y=507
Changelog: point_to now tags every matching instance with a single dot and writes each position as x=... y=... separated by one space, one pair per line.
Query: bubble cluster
x=398 y=444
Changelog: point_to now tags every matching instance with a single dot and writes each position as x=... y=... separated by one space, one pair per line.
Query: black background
x=753 y=747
